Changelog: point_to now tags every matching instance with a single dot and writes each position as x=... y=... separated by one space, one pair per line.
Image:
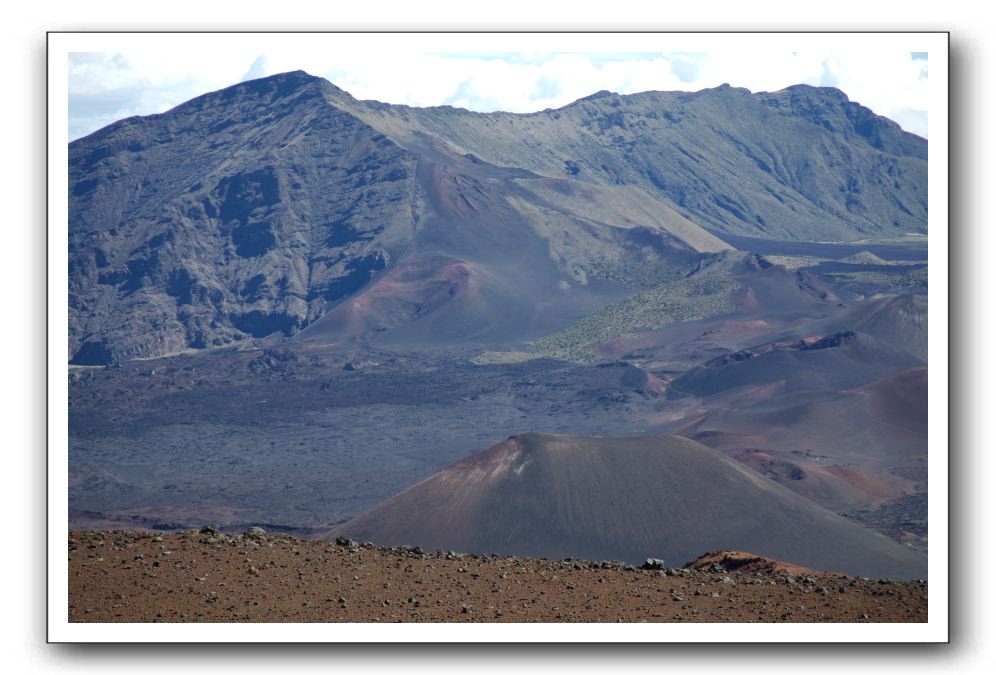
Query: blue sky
x=140 y=79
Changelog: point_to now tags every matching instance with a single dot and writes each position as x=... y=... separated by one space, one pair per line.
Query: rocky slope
x=207 y=576
x=258 y=210
x=804 y=163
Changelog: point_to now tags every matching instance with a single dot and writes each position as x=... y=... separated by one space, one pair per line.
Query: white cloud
x=105 y=87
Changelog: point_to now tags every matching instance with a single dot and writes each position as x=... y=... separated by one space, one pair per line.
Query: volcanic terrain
x=257 y=210
x=624 y=499
x=679 y=322
x=118 y=576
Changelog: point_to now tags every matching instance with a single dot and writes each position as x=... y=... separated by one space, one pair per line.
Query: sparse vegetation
x=914 y=279
x=486 y=358
x=882 y=281
x=683 y=299
x=649 y=272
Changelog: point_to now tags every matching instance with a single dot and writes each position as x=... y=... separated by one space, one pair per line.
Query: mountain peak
x=282 y=84
x=601 y=93
x=817 y=92
x=295 y=76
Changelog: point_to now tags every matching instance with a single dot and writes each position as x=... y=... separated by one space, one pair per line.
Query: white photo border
x=936 y=629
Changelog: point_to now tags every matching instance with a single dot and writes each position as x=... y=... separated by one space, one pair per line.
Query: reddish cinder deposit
x=119 y=576
x=406 y=292
x=739 y=561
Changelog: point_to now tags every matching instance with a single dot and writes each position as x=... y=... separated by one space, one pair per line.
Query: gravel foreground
x=259 y=577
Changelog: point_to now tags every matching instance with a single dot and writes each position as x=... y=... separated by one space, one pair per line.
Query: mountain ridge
x=816 y=113
x=255 y=210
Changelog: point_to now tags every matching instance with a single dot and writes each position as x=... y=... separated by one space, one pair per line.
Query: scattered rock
x=307 y=575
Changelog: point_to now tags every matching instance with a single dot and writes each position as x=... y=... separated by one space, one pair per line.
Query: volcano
x=624 y=499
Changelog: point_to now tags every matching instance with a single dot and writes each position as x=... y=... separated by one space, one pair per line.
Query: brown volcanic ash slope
x=623 y=498
x=881 y=422
x=828 y=363
x=899 y=320
x=842 y=449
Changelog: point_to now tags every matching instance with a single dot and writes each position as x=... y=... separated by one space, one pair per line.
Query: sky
x=139 y=78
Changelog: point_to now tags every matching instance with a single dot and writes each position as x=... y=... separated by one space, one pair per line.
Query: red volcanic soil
x=739 y=561
x=120 y=576
x=832 y=486
x=408 y=291
x=900 y=401
x=458 y=195
x=844 y=450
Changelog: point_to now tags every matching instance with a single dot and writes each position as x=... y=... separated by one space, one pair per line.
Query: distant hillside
x=743 y=285
x=679 y=300
x=803 y=163
x=259 y=209
x=838 y=361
